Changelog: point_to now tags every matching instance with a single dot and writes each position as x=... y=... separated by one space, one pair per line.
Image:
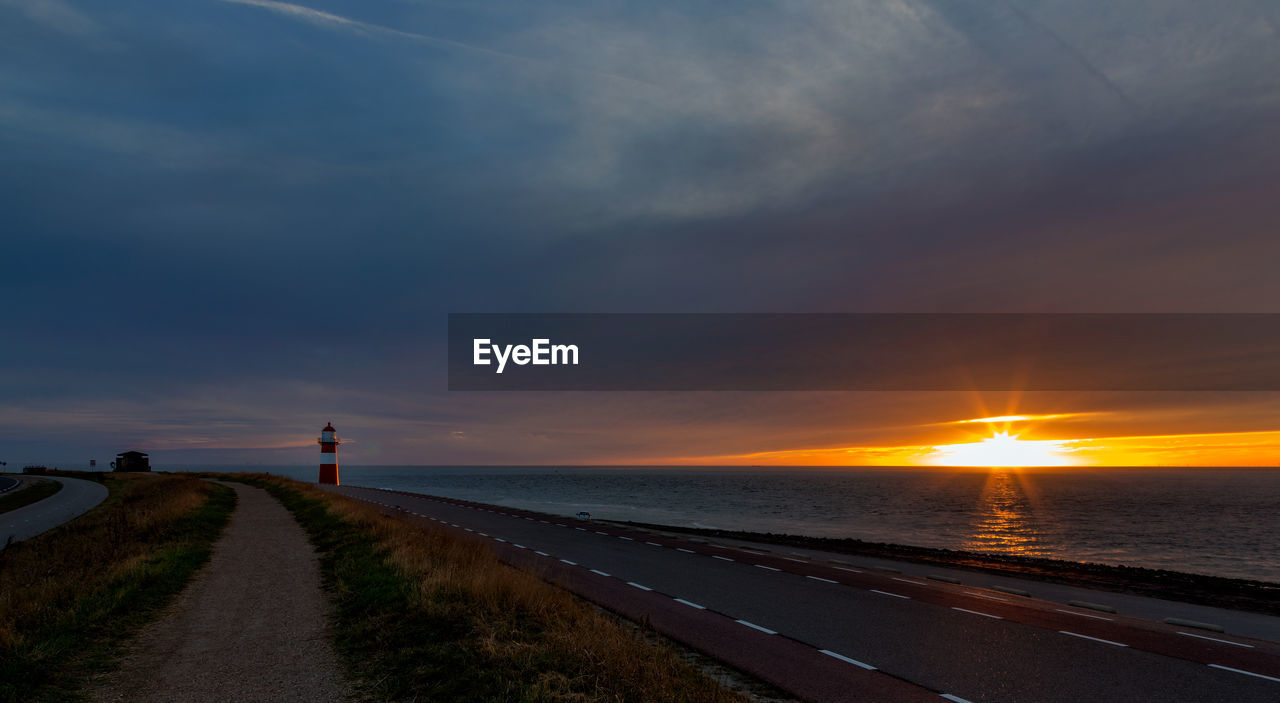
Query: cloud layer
x=257 y=209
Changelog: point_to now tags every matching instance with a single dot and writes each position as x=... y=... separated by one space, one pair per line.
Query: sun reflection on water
x=1006 y=520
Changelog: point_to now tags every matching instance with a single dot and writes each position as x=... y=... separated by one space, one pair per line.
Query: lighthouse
x=329 y=455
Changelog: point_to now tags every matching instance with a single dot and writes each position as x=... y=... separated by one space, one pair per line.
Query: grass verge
x=21 y=497
x=421 y=614
x=69 y=597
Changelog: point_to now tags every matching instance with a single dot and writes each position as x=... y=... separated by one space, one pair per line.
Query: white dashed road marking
x=1246 y=673
x=754 y=626
x=1095 y=639
x=843 y=658
x=974 y=612
x=1215 y=639
x=1083 y=615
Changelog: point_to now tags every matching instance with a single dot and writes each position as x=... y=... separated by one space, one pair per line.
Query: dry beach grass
x=426 y=615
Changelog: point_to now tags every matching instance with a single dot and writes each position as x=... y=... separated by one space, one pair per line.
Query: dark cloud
x=215 y=211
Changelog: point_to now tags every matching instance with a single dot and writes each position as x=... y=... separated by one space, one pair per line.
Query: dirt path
x=250 y=627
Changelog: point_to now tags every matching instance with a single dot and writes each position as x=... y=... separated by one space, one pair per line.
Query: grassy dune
x=424 y=615
x=68 y=596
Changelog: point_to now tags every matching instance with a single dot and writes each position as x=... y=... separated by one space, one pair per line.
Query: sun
x=1002 y=449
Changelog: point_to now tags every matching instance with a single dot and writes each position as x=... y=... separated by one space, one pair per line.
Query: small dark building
x=131 y=461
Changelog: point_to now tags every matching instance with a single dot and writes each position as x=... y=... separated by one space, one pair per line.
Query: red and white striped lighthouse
x=329 y=455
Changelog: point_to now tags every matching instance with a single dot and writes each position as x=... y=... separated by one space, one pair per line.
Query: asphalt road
x=7 y=482
x=1266 y=627
x=76 y=497
x=829 y=631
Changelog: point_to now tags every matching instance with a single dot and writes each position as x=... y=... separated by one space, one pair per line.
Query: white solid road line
x=918 y=583
x=1238 y=671
x=843 y=658
x=754 y=626
x=597 y=571
x=1215 y=639
x=691 y=604
x=643 y=588
x=819 y=578
x=717 y=556
x=1083 y=615
x=762 y=566
x=886 y=593
x=974 y=612
x=1095 y=639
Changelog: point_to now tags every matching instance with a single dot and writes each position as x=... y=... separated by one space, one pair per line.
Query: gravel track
x=250 y=627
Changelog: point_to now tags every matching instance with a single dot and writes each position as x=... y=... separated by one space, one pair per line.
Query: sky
x=228 y=222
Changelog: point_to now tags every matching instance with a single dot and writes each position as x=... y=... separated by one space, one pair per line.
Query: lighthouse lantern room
x=329 y=455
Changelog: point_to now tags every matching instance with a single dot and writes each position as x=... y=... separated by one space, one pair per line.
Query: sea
x=1219 y=521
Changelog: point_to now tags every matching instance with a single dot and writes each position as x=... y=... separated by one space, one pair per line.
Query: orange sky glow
x=1009 y=447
